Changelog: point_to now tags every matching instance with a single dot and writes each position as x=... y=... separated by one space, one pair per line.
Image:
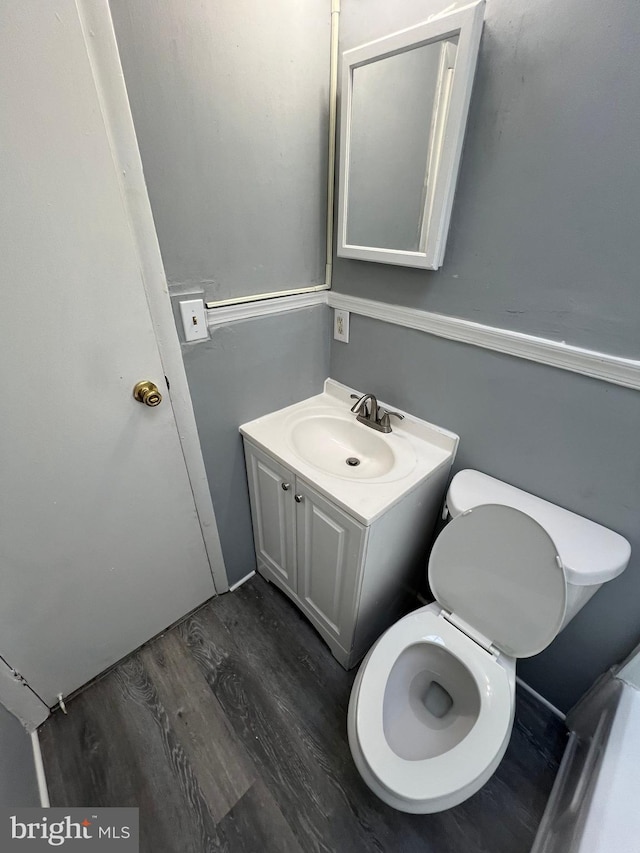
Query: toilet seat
x=439 y=777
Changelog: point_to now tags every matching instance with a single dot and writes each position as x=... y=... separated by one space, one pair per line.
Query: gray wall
x=248 y=369
x=544 y=229
x=543 y=240
x=18 y=784
x=229 y=101
x=541 y=429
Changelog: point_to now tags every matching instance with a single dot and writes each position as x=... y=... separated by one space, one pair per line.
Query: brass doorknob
x=147 y=392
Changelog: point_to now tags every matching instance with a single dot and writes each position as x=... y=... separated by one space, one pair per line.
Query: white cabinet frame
x=450 y=115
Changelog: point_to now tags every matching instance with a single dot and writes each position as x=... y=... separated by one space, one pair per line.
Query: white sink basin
x=361 y=470
x=346 y=448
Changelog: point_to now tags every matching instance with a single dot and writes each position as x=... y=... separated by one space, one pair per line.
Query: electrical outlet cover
x=341 y=325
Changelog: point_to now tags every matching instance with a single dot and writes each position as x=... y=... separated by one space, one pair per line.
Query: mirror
x=404 y=105
x=397 y=97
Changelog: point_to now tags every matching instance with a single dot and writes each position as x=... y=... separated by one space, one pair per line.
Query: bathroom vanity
x=343 y=516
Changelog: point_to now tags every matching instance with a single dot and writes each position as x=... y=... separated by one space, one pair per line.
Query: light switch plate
x=341 y=325
x=194 y=320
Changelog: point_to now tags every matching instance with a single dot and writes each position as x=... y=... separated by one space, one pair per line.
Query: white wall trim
x=248 y=310
x=254 y=297
x=599 y=365
x=40 y=774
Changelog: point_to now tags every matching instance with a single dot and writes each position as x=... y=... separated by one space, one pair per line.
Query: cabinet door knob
x=298 y=498
x=285 y=487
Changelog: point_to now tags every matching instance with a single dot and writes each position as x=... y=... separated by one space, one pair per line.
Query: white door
x=271 y=490
x=100 y=543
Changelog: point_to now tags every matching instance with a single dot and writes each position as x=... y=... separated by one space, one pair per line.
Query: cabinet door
x=330 y=546
x=271 y=493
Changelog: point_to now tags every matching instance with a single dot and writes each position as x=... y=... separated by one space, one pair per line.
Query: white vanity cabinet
x=344 y=515
x=351 y=580
x=306 y=545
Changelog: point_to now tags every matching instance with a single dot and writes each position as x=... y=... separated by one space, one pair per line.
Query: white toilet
x=432 y=706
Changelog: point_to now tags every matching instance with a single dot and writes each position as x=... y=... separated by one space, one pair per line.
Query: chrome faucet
x=370 y=414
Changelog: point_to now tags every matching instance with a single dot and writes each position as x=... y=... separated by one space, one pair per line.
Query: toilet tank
x=591 y=554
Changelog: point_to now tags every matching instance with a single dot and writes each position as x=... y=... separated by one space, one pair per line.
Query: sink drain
x=352 y=461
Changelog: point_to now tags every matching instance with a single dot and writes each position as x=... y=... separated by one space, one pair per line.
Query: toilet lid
x=499 y=570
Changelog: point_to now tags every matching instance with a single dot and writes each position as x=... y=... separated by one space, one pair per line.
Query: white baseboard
x=40 y=775
x=558 y=713
x=235 y=586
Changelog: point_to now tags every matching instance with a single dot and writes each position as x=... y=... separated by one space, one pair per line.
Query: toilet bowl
x=430 y=714
x=432 y=706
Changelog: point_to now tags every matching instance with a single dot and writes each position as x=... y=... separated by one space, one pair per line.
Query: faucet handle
x=385 y=420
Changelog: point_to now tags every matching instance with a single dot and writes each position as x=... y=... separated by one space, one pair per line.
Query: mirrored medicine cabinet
x=405 y=100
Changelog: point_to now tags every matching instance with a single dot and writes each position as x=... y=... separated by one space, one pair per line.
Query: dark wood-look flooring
x=229 y=734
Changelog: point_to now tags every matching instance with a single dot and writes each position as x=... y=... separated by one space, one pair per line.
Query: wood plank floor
x=229 y=734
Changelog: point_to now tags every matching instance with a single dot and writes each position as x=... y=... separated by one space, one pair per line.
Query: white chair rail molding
x=599 y=365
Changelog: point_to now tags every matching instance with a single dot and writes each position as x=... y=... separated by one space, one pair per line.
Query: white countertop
x=422 y=448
